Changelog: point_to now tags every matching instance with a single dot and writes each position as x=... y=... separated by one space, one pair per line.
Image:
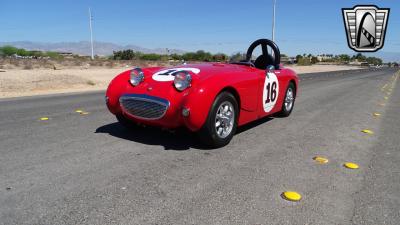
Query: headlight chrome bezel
x=136 y=76
x=183 y=80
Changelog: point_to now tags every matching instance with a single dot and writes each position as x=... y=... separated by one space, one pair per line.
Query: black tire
x=127 y=124
x=208 y=133
x=285 y=111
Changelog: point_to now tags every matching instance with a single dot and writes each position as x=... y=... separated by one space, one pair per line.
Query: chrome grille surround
x=144 y=106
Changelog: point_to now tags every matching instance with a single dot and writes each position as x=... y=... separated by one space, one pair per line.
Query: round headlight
x=137 y=76
x=182 y=80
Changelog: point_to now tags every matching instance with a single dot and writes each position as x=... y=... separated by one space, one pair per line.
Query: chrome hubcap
x=224 y=119
x=289 y=99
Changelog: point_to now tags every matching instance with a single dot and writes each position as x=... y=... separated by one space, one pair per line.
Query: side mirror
x=271 y=69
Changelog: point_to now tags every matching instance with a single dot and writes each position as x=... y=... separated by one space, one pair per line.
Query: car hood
x=198 y=71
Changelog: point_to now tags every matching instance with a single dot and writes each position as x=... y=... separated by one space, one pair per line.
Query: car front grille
x=144 y=106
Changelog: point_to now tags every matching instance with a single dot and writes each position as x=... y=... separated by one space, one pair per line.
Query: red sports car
x=211 y=99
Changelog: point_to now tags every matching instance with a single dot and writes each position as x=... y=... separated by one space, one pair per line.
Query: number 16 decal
x=270 y=92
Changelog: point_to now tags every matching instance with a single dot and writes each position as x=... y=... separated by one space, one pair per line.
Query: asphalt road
x=85 y=169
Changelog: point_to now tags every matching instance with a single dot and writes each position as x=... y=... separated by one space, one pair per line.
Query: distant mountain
x=83 y=47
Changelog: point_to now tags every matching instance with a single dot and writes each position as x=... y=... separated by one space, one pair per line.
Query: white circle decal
x=270 y=92
x=168 y=74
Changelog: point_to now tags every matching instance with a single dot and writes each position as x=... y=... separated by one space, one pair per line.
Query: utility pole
x=273 y=20
x=91 y=31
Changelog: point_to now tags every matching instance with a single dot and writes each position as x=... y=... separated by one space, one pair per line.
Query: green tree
x=23 y=52
x=151 y=56
x=128 y=54
x=374 y=60
x=314 y=60
x=9 y=50
x=176 y=57
x=360 y=57
x=344 y=58
x=237 y=57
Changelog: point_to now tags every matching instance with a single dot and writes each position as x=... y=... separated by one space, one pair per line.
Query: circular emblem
x=270 y=92
x=169 y=74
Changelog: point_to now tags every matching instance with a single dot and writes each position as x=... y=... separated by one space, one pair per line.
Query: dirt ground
x=22 y=82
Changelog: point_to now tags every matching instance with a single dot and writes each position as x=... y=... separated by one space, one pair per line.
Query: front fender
x=200 y=99
x=199 y=102
x=114 y=90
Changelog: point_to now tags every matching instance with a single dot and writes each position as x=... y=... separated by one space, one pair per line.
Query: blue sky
x=303 y=26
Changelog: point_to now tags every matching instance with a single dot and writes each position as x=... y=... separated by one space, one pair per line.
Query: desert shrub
x=14 y=62
x=27 y=66
x=109 y=64
x=314 y=60
x=43 y=63
x=94 y=63
x=91 y=83
x=151 y=57
x=304 y=61
x=77 y=63
x=124 y=55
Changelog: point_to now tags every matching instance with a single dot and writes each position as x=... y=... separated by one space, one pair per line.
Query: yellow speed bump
x=79 y=111
x=377 y=114
x=44 y=118
x=386 y=97
x=351 y=165
x=321 y=160
x=291 y=196
x=366 y=131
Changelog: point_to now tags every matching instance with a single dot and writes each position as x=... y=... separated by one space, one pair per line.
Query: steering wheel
x=264 y=60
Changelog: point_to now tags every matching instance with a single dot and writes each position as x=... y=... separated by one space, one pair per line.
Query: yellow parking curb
x=321 y=160
x=291 y=196
x=351 y=165
x=366 y=131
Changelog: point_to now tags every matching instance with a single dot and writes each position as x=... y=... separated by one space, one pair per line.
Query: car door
x=269 y=92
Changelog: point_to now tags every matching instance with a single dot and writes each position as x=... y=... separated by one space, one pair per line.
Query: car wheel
x=288 y=102
x=221 y=122
x=126 y=123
